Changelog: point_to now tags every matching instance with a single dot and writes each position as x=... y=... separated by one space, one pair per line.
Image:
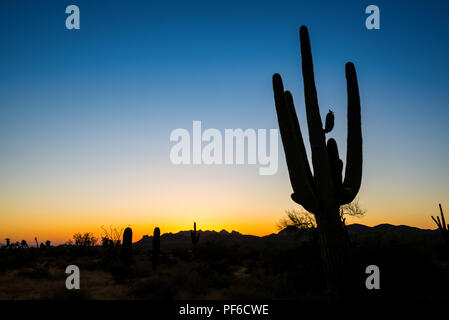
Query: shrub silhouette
x=23 y=244
x=86 y=239
x=325 y=191
x=301 y=220
x=111 y=238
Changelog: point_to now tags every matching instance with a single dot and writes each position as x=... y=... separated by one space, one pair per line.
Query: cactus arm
x=320 y=159
x=303 y=193
x=437 y=222
x=354 y=157
x=298 y=135
x=311 y=100
x=443 y=221
x=335 y=163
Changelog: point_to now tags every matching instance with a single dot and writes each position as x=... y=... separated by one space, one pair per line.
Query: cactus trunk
x=156 y=246
x=195 y=236
x=127 y=245
x=335 y=252
x=323 y=192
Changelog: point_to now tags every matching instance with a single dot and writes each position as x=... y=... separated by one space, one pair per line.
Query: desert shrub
x=120 y=271
x=14 y=259
x=182 y=254
x=37 y=272
x=141 y=267
x=405 y=271
x=155 y=288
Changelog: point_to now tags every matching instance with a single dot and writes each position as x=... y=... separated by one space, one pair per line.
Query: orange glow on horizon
x=60 y=232
x=216 y=198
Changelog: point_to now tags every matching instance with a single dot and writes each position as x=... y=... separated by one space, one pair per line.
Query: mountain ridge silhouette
x=182 y=238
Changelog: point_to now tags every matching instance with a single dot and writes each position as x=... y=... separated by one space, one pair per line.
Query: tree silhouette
x=301 y=220
x=84 y=240
x=111 y=237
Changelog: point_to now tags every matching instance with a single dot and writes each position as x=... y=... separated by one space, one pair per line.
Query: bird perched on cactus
x=323 y=192
x=127 y=245
x=195 y=236
x=442 y=226
x=329 y=124
x=156 y=246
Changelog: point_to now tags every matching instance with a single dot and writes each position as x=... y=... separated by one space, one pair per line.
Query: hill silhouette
x=182 y=238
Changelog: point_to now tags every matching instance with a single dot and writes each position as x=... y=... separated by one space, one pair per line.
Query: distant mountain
x=400 y=228
x=182 y=238
x=360 y=228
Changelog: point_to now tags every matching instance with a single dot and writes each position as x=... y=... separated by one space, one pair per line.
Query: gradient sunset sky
x=86 y=115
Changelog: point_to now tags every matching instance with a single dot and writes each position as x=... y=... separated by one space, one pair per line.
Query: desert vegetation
x=285 y=265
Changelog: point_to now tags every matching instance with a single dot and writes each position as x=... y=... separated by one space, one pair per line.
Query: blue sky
x=99 y=103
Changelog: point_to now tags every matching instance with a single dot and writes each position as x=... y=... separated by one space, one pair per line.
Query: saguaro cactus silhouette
x=127 y=245
x=442 y=226
x=324 y=191
x=156 y=246
x=195 y=236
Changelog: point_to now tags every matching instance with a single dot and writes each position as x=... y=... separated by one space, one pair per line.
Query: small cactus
x=156 y=246
x=194 y=235
x=127 y=245
x=442 y=226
